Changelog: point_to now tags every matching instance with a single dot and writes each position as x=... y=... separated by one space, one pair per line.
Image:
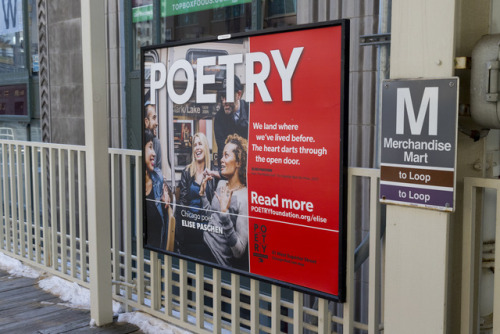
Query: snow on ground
x=148 y=324
x=78 y=297
x=16 y=268
x=73 y=294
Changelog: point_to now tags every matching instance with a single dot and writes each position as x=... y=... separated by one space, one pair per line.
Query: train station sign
x=418 y=153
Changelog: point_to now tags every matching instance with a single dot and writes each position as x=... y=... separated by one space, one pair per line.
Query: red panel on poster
x=297 y=143
x=244 y=155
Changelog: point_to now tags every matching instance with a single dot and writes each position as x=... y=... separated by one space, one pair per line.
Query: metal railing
x=478 y=254
x=43 y=206
x=44 y=224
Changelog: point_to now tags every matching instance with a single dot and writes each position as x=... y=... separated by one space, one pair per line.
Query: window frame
x=24 y=76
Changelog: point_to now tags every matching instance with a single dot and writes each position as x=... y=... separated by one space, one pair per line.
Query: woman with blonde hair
x=227 y=233
x=190 y=218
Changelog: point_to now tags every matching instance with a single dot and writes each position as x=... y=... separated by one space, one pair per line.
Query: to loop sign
x=418 y=154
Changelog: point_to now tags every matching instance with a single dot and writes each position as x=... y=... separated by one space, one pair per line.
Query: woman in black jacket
x=191 y=219
x=156 y=198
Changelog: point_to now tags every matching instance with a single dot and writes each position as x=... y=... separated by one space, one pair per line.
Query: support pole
x=416 y=272
x=97 y=159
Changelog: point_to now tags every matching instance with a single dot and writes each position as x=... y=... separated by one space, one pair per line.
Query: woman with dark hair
x=157 y=200
x=189 y=236
x=227 y=233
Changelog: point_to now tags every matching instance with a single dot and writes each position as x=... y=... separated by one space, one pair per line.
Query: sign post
x=416 y=278
x=419 y=121
x=97 y=160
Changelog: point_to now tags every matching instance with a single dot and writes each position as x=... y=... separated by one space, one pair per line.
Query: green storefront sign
x=176 y=7
x=142 y=13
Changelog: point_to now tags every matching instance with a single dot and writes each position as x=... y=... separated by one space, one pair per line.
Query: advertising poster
x=245 y=154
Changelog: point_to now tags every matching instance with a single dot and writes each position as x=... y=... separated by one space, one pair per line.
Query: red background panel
x=316 y=109
x=315 y=253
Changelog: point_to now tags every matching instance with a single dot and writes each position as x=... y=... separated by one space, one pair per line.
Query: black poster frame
x=343 y=160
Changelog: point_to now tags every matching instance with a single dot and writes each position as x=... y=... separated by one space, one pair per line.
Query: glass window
x=281 y=13
x=12 y=52
x=142 y=27
x=281 y=7
x=13 y=100
x=33 y=26
x=187 y=19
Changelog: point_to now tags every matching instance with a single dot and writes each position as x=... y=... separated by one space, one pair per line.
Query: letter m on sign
x=429 y=102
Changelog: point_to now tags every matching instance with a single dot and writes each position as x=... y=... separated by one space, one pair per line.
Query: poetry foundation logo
x=260 y=242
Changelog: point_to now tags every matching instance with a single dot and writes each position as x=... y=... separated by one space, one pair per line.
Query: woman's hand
x=212 y=173
x=224 y=198
x=203 y=186
x=165 y=198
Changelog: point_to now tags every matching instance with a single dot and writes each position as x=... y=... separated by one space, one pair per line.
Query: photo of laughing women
x=157 y=200
x=191 y=219
x=227 y=236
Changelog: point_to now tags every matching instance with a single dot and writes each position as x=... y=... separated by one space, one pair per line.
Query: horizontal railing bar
x=121 y=151
x=44 y=145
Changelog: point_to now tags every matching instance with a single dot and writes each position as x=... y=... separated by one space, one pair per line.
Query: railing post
x=97 y=159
